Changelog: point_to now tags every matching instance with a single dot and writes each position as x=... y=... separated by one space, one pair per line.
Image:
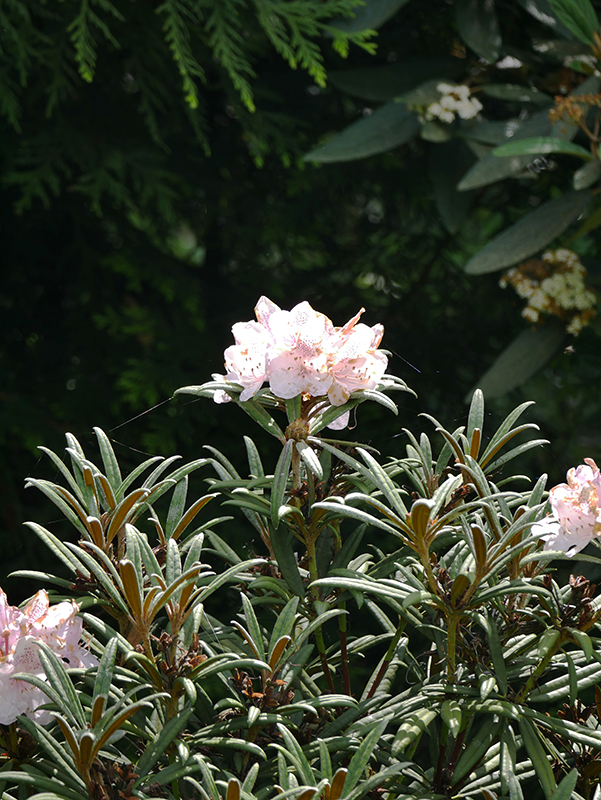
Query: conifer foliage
x=53 y=56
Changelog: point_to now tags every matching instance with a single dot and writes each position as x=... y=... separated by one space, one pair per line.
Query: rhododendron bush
x=392 y=626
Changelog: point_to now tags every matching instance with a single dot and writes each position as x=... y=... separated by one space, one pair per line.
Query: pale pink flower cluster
x=576 y=511
x=20 y=631
x=300 y=352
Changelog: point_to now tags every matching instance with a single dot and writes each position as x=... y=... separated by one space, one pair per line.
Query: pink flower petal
x=341 y=422
x=576 y=512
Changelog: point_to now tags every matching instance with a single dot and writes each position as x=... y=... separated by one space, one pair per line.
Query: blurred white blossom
x=455 y=100
x=554 y=285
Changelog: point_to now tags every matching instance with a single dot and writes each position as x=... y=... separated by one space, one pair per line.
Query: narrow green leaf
x=578 y=16
x=363 y=755
x=227 y=575
x=253 y=626
x=263 y=418
x=491 y=169
x=475 y=417
x=177 y=506
x=586 y=176
x=496 y=652
x=388 y=127
x=573 y=680
x=514 y=93
x=293 y=407
x=295 y=751
x=530 y=234
x=118 y=713
x=311 y=459
x=542 y=145
x=254 y=459
x=57 y=497
x=113 y=588
x=343 y=510
x=59 y=755
x=107 y=632
x=135 y=474
x=384 y=483
x=280 y=482
x=380 y=398
x=504 y=431
x=158 y=471
x=284 y=622
x=569 y=730
x=179 y=473
x=104 y=673
x=39 y=781
x=209 y=781
x=479 y=27
x=516 y=451
x=447 y=164
x=452 y=716
x=58 y=548
x=584 y=641
x=157 y=746
x=281 y=541
x=62 y=684
x=41 y=577
x=528 y=353
x=111 y=465
x=314 y=625
x=371 y=15
x=478 y=745
x=173 y=565
x=513 y=784
x=62 y=468
x=507 y=757
x=411 y=729
x=381 y=84
x=566 y=788
x=538 y=756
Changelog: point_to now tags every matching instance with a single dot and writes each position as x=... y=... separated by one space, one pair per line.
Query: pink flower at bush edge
x=20 y=632
x=576 y=511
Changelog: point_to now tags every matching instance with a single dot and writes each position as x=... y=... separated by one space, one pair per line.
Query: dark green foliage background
x=103 y=317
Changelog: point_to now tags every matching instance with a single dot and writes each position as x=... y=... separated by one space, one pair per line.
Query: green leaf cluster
x=225 y=676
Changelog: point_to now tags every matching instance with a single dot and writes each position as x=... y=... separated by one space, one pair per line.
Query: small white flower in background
x=456 y=100
x=576 y=511
x=586 y=58
x=554 y=285
x=300 y=352
x=20 y=632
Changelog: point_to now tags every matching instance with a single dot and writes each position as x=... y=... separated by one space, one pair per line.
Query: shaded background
x=136 y=229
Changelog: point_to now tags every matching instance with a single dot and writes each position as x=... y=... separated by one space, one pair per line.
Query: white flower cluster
x=575 y=518
x=589 y=59
x=21 y=630
x=555 y=285
x=300 y=352
x=455 y=101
